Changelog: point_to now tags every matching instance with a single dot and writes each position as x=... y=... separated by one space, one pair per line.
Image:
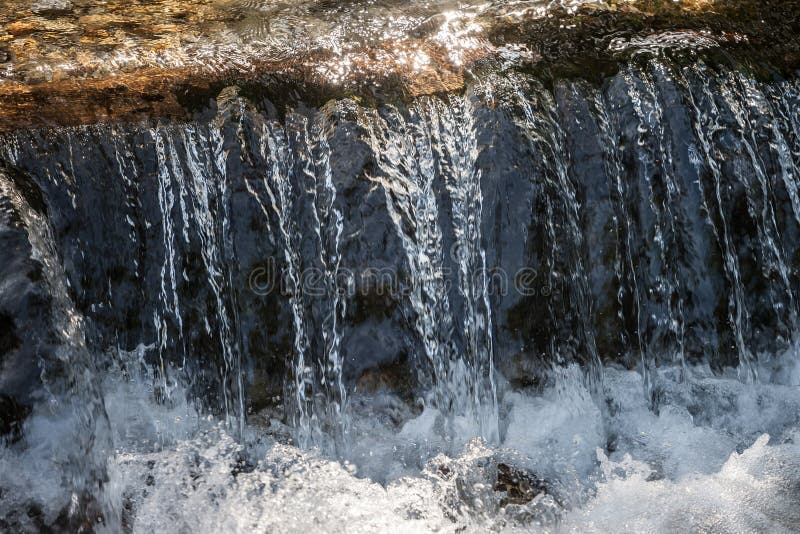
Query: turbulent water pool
x=720 y=456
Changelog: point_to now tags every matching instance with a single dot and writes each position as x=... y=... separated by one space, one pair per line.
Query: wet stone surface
x=80 y=62
x=519 y=487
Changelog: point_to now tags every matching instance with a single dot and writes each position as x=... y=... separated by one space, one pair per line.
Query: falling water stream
x=362 y=319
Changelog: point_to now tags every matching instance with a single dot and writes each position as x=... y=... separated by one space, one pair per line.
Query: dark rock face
x=520 y=487
x=650 y=219
x=25 y=320
x=46 y=372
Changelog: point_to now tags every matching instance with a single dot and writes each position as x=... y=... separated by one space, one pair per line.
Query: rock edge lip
x=588 y=43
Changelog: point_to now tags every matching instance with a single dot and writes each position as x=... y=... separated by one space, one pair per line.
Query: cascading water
x=436 y=150
x=70 y=405
x=299 y=172
x=564 y=234
x=429 y=316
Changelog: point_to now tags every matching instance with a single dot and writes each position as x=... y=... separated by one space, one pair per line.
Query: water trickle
x=298 y=190
x=169 y=284
x=427 y=163
x=705 y=124
x=663 y=300
x=565 y=257
x=278 y=187
x=470 y=378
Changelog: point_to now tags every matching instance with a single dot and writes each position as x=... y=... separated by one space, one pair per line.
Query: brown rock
x=23 y=48
x=157 y=29
x=23 y=27
x=105 y=20
x=71 y=41
x=58 y=25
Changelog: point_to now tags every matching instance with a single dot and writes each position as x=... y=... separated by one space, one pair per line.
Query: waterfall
x=456 y=139
x=71 y=408
x=297 y=189
x=433 y=151
x=542 y=127
x=631 y=191
x=198 y=196
x=467 y=280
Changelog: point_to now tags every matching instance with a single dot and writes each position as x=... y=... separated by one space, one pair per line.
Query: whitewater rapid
x=720 y=456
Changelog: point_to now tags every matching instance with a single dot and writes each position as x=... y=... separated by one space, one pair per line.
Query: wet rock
x=26 y=330
x=105 y=21
x=519 y=486
x=394 y=377
x=12 y=416
x=83 y=516
x=444 y=471
x=59 y=27
x=167 y=39
x=52 y=7
x=24 y=27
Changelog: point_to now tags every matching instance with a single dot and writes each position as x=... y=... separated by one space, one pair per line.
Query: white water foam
x=720 y=456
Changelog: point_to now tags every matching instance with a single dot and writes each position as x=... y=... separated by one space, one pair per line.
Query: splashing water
x=704 y=458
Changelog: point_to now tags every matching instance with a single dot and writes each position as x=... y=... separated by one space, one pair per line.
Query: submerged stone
x=520 y=487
